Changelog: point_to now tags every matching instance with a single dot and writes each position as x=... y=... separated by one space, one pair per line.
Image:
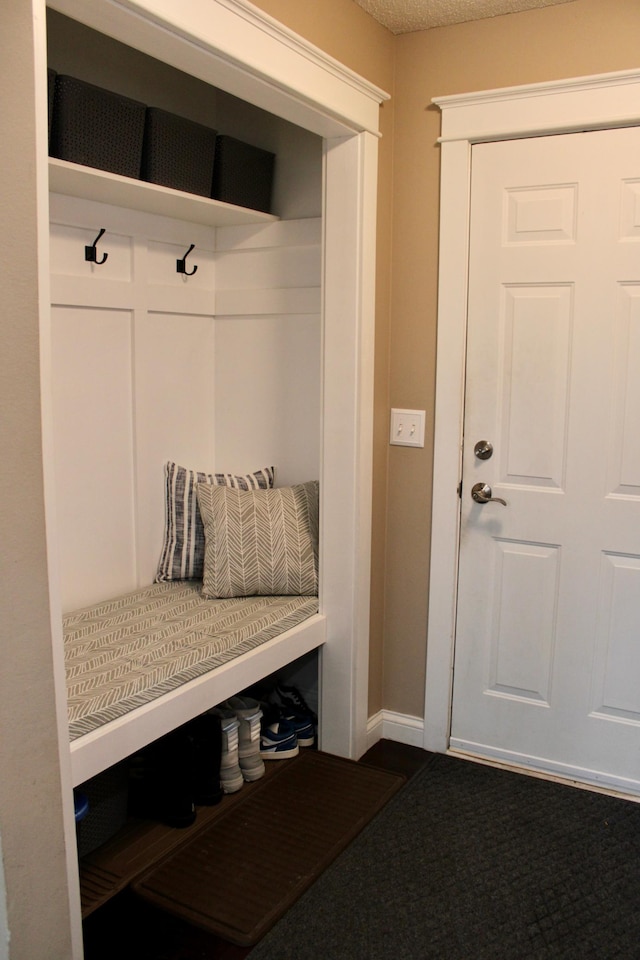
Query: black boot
x=161 y=783
x=206 y=734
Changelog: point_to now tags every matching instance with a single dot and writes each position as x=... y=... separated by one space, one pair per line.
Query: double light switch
x=407 y=428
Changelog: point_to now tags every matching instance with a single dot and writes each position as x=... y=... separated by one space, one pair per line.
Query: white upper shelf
x=88 y=183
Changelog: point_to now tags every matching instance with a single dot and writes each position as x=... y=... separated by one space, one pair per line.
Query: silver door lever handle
x=481 y=493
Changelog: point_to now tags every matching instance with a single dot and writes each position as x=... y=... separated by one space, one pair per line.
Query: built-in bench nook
x=263 y=355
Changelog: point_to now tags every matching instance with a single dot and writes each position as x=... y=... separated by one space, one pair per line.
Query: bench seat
x=125 y=655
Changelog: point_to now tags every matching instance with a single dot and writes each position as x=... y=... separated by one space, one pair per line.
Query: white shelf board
x=89 y=183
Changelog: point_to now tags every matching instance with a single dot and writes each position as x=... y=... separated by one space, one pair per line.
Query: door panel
x=535 y=345
x=547 y=663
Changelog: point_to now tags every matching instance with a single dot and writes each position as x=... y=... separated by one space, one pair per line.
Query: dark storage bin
x=96 y=127
x=51 y=88
x=177 y=152
x=106 y=797
x=242 y=174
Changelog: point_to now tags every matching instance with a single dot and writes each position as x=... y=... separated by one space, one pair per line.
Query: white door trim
x=584 y=103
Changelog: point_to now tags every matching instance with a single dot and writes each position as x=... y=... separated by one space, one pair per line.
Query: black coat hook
x=90 y=252
x=181 y=265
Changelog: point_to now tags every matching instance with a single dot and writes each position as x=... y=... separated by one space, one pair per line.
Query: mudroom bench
x=142 y=664
x=147 y=661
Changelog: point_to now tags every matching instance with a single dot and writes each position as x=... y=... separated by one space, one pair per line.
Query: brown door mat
x=240 y=874
x=139 y=845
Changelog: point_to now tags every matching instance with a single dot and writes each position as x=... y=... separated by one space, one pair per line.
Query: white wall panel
x=300 y=233
x=68 y=252
x=275 y=301
x=93 y=443
x=174 y=416
x=162 y=265
x=147 y=366
x=292 y=266
x=268 y=349
x=267 y=376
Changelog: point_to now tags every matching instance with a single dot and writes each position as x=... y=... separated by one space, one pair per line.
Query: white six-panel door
x=547 y=659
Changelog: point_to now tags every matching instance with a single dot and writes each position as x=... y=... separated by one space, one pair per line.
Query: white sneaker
x=231 y=778
x=249 y=714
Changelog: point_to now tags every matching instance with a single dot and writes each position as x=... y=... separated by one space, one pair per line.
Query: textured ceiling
x=405 y=16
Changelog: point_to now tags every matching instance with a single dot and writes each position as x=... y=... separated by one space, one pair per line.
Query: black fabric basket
x=243 y=174
x=96 y=127
x=51 y=88
x=107 y=794
x=177 y=152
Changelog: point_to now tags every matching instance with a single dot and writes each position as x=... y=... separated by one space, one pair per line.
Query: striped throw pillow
x=260 y=542
x=182 y=556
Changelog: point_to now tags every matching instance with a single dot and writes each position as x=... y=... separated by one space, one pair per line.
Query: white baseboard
x=387 y=725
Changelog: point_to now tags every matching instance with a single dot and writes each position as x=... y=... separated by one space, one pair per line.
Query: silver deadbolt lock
x=481 y=493
x=483 y=449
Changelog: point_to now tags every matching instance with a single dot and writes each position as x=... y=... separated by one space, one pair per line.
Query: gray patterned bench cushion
x=125 y=652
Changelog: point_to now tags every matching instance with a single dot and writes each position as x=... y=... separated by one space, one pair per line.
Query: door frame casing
x=584 y=103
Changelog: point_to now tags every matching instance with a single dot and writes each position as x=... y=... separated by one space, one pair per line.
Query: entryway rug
x=237 y=877
x=471 y=862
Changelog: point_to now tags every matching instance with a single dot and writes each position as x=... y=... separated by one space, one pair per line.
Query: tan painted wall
x=30 y=792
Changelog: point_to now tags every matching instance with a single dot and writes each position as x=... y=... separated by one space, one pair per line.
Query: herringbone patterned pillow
x=260 y=542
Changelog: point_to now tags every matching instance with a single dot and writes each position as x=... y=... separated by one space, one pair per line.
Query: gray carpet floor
x=469 y=862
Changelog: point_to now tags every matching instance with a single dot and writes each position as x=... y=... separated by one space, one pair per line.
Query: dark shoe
x=290 y=698
x=206 y=734
x=161 y=780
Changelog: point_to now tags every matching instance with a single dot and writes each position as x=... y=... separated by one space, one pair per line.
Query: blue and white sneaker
x=303 y=726
x=278 y=740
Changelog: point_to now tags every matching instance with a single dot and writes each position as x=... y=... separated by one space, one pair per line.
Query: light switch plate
x=407 y=428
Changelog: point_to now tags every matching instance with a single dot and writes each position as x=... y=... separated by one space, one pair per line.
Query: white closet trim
x=238 y=48
x=235 y=47
x=583 y=103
